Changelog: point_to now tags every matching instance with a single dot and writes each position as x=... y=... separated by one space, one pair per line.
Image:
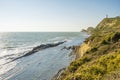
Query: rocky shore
x=98 y=57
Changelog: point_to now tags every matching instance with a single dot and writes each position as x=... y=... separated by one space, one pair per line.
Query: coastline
x=47 y=60
x=98 y=56
x=76 y=51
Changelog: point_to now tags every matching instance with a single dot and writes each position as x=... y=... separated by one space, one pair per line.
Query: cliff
x=98 y=58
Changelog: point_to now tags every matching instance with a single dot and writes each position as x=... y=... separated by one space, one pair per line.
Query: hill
x=98 y=58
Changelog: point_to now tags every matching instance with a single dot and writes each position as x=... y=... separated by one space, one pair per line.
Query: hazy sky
x=54 y=15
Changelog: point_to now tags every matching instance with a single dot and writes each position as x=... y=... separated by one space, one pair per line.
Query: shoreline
x=27 y=63
x=75 y=52
x=98 y=56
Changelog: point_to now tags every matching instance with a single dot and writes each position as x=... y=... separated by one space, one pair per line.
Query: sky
x=54 y=15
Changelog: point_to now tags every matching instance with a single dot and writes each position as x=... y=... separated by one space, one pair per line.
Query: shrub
x=82 y=77
x=118 y=51
x=116 y=37
x=104 y=42
x=114 y=75
x=94 y=49
x=96 y=70
x=75 y=64
x=103 y=49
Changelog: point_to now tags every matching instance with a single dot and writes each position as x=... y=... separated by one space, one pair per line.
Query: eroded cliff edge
x=98 y=58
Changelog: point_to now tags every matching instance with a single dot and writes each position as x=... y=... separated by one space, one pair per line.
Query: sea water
x=42 y=65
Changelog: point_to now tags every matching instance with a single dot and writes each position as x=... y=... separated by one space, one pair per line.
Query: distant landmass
x=88 y=30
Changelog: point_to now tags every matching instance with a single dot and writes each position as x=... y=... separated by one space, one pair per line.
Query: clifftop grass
x=102 y=60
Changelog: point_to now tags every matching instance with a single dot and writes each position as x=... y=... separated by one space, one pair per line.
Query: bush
x=103 y=49
x=82 y=77
x=111 y=37
x=94 y=49
x=75 y=64
x=114 y=75
x=104 y=42
x=97 y=69
x=89 y=73
x=110 y=62
x=116 y=37
x=118 y=51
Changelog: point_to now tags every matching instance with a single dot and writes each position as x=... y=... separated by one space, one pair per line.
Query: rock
x=38 y=48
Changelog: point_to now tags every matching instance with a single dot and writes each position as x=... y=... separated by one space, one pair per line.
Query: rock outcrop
x=38 y=48
x=89 y=30
x=43 y=46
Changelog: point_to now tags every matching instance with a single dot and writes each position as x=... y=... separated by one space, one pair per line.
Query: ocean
x=43 y=64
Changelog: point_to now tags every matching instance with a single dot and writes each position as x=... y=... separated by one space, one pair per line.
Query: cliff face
x=98 y=58
x=80 y=50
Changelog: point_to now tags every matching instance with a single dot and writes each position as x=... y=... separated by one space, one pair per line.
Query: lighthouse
x=106 y=16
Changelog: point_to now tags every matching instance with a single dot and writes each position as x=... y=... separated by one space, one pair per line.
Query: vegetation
x=102 y=60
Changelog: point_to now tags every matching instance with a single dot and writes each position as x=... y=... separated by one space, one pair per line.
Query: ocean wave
x=5 y=68
x=7 y=56
x=56 y=38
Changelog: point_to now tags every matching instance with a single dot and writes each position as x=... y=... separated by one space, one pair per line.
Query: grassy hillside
x=101 y=61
